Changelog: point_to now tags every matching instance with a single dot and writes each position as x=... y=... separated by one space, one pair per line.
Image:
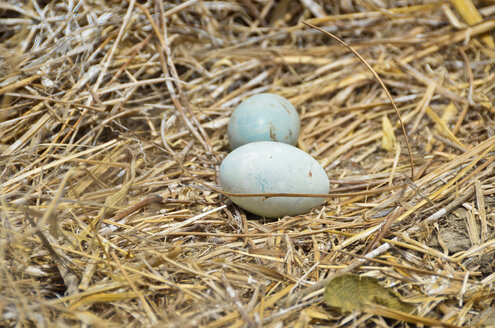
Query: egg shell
x=264 y=117
x=273 y=167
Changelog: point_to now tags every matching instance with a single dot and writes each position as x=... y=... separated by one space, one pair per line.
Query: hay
x=113 y=124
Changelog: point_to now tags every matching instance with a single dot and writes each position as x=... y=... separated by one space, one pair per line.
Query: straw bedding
x=113 y=125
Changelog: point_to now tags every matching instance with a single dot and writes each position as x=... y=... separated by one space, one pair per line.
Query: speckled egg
x=273 y=167
x=264 y=117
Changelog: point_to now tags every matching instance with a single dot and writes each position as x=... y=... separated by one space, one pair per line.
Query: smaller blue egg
x=264 y=117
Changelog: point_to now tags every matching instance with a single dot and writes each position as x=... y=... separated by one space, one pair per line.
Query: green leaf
x=351 y=292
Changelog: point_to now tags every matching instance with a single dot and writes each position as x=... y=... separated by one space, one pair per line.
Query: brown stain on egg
x=286 y=105
x=273 y=133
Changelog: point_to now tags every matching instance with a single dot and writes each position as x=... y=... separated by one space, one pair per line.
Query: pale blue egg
x=264 y=117
x=273 y=167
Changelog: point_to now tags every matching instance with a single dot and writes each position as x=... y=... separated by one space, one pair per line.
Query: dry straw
x=113 y=125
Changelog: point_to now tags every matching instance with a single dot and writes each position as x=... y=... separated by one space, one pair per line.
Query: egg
x=273 y=167
x=263 y=117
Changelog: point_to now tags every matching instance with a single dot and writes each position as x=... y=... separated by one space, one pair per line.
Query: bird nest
x=113 y=124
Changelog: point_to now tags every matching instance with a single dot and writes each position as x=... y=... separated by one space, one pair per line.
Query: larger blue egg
x=264 y=117
x=273 y=167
